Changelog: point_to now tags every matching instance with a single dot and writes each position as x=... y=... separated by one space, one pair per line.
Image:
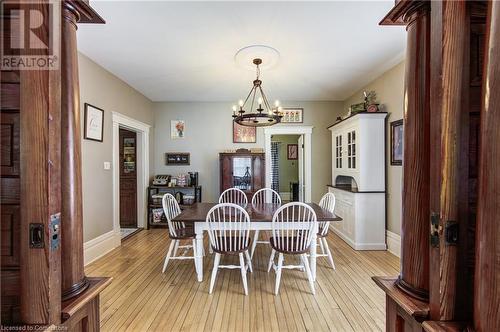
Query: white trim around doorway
x=306 y=131
x=142 y=130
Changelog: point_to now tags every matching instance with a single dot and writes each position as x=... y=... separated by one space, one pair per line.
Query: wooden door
x=10 y=198
x=128 y=179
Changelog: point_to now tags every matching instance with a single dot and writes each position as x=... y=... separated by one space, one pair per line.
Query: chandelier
x=264 y=114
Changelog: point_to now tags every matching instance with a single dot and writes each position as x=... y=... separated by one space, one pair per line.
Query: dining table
x=261 y=216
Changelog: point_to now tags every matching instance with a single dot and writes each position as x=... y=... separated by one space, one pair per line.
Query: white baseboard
x=286 y=196
x=100 y=246
x=359 y=246
x=393 y=243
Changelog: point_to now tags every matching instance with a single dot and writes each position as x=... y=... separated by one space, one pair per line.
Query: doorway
x=128 y=180
x=142 y=175
x=304 y=156
x=287 y=167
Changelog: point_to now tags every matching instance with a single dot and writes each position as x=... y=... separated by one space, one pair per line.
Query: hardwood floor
x=141 y=298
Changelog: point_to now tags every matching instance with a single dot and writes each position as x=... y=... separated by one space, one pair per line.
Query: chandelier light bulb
x=260 y=100
x=240 y=103
x=277 y=103
x=234 y=108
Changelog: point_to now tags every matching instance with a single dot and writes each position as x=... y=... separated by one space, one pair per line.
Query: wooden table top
x=258 y=213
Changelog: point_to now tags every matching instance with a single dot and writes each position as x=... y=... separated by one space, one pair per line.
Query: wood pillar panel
x=40 y=184
x=454 y=93
x=487 y=294
x=414 y=278
x=73 y=276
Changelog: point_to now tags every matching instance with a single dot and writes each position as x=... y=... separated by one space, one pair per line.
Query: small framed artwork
x=177 y=158
x=177 y=129
x=292 y=115
x=244 y=134
x=397 y=143
x=293 y=151
x=93 y=124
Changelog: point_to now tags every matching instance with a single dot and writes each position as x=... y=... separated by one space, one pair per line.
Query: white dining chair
x=229 y=233
x=177 y=231
x=264 y=195
x=292 y=229
x=235 y=196
x=327 y=202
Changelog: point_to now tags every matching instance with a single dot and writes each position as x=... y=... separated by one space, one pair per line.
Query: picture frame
x=292 y=115
x=177 y=129
x=93 y=123
x=397 y=131
x=244 y=134
x=177 y=158
x=292 y=151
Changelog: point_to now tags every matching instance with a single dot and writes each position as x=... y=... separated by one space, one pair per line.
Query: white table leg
x=198 y=229
x=312 y=256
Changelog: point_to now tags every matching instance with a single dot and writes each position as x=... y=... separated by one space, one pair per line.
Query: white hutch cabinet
x=358 y=180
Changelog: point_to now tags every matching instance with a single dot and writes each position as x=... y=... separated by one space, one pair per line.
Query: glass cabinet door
x=351 y=149
x=242 y=173
x=338 y=151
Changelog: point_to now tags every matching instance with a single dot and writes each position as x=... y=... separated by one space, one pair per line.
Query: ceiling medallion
x=264 y=114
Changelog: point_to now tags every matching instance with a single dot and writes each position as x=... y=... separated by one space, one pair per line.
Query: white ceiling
x=184 y=51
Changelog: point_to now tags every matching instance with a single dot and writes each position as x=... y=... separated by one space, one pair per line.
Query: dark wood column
x=486 y=288
x=414 y=277
x=73 y=279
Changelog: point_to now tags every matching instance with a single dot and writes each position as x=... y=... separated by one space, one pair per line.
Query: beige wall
x=209 y=131
x=106 y=91
x=389 y=88
x=288 y=169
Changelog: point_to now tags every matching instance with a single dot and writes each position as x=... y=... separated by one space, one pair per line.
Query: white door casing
x=142 y=130
x=301 y=168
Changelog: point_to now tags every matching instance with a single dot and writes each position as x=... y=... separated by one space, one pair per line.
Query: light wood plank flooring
x=141 y=298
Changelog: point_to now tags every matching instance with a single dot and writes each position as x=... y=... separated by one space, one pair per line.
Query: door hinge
x=434 y=236
x=54 y=231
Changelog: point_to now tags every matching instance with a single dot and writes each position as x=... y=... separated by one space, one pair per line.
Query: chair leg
x=169 y=254
x=243 y=273
x=254 y=244
x=194 y=254
x=249 y=261
x=175 y=248
x=329 y=253
x=278 y=274
x=321 y=245
x=271 y=260
x=308 y=271
x=214 y=272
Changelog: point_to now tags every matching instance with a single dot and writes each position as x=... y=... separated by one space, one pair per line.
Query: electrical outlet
x=107 y=165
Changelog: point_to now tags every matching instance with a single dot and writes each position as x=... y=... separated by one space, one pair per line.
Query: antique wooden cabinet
x=242 y=169
x=451 y=185
x=42 y=277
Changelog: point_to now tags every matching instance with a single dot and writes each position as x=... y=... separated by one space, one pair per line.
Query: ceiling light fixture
x=265 y=115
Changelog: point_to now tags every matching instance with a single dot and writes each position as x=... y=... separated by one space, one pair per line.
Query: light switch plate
x=107 y=165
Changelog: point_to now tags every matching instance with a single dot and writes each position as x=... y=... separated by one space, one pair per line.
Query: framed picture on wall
x=292 y=115
x=177 y=129
x=244 y=134
x=93 y=124
x=292 y=151
x=397 y=142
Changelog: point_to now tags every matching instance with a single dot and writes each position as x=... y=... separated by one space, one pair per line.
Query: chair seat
x=184 y=234
x=232 y=240
x=293 y=242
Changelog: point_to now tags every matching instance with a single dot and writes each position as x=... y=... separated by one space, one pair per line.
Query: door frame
x=142 y=130
x=306 y=132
